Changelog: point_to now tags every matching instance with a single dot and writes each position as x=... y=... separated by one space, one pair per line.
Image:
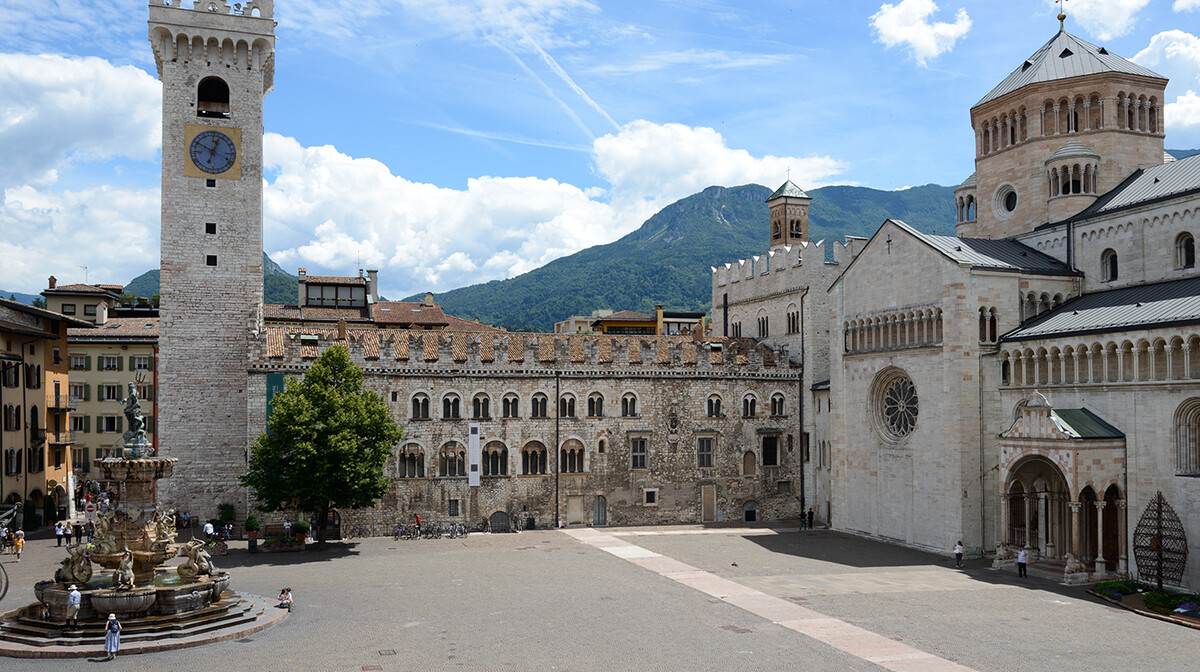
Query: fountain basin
x=123 y=602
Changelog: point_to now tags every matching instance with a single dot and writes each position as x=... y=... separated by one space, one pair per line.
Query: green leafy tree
x=39 y=303
x=326 y=443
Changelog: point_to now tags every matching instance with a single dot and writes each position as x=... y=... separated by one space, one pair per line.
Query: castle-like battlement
x=264 y=9
x=784 y=258
x=514 y=352
x=239 y=36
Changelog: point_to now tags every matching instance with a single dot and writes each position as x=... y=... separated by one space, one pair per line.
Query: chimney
x=372 y=285
x=341 y=329
x=428 y=300
x=53 y=282
x=302 y=275
x=101 y=313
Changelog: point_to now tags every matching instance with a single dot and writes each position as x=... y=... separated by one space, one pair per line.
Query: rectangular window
x=637 y=449
x=210 y=227
x=110 y=392
x=107 y=424
x=211 y=183
x=78 y=363
x=141 y=362
x=770 y=451
x=110 y=363
x=453 y=509
x=78 y=392
x=210 y=260
x=650 y=497
x=68 y=309
x=90 y=310
x=146 y=392
x=704 y=453
x=78 y=423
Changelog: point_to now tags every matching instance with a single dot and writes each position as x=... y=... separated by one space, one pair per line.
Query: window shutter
x=87 y=392
x=87 y=363
x=132 y=363
x=149 y=426
x=120 y=363
x=87 y=424
x=99 y=424
x=120 y=422
x=149 y=393
x=86 y=467
x=150 y=361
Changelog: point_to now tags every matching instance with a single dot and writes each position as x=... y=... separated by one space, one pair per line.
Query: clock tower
x=216 y=63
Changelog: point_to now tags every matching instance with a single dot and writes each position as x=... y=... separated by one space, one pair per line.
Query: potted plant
x=252 y=526
x=301 y=528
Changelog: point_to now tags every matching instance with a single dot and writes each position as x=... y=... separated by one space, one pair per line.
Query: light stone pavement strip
x=838 y=634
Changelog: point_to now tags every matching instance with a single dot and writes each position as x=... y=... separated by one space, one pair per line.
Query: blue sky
x=448 y=143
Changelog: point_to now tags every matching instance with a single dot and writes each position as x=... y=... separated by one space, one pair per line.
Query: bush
x=301 y=527
x=1163 y=603
x=252 y=524
x=225 y=513
x=1120 y=587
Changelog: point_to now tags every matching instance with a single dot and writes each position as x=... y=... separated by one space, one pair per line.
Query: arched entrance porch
x=1034 y=508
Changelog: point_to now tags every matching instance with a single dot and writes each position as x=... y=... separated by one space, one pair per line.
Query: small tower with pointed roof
x=1069 y=124
x=789 y=215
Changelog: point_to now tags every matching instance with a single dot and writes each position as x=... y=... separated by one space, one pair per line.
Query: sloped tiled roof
x=408 y=312
x=281 y=312
x=1065 y=56
x=140 y=328
x=1147 y=185
x=788 y=189
x=459 y=324
x=333 y=280
x=1083 y=424
x=968 y=183
x=78 y=288
x=998 y=255
x=1072 y=148
x=1159 y=304
x=625 y=316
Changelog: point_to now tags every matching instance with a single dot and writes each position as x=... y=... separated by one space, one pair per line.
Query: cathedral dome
x=1072 y=149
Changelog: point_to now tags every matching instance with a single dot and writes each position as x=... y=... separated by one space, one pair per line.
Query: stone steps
x=232 y=611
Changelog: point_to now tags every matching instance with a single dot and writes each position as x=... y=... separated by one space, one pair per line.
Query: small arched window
x=212 y=98
x=595 y=405
x=1185 y=251
x=1108 y=265
x=566 y=406
x=777 y=404
x=1187 y=438
x=481 y=407
x=629 y=406
x=420 y=407
x=540 y=406
x=451 y=407
x=410 y=462
x=714 y=406
x=510 y=406
x=749 y=406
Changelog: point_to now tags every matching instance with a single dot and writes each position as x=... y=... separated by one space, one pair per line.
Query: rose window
x=895 y=404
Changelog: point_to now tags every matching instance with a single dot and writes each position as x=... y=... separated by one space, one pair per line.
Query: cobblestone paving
x=542 y=600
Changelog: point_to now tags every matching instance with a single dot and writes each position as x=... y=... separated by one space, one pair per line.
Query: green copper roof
x=790 y=190
x=1083 y=424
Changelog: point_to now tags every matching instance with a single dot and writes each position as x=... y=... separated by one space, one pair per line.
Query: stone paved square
x=548 y=600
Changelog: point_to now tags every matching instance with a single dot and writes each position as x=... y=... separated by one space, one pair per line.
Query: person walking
x=208 y=531
x=803 y=520
x=73 y=600
x=958 y=553
x=19 y=544
x=58 y=533
x=90 y=530
x=78 y=527
x=67 y=532
x=112 y=637
x=1022 y=557
x=811 y=517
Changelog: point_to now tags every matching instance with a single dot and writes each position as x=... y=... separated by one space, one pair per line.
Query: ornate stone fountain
x=122 y=570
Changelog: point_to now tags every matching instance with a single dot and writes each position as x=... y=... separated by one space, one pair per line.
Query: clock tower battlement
x=216 y=62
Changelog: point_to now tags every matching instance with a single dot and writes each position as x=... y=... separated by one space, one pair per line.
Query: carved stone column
x=1087 y=115
x=1123 y=557
x=1028 y=520
x=1043 y=516
x=1100 y=536
x=1057 y=130
x=1075 y=506
x=1004 y=520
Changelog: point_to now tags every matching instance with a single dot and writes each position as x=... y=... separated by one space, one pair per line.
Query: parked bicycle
x=362 y=531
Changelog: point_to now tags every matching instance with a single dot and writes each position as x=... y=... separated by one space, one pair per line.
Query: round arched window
x=1004 y=202
x=895 y=402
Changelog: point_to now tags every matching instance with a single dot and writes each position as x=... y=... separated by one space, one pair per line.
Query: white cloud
x=1177 y=50
x=1106 y=19
x=58 y=111
x=1185 y=5
x=908 y=23
x=329 y=211
x=1184 y=112
x=112 y=230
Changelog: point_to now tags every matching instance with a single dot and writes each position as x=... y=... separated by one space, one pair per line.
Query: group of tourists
x=807 y=518
x=12 y=541
x=68 y=530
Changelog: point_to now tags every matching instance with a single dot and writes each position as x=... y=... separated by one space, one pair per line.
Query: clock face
x=213 y=152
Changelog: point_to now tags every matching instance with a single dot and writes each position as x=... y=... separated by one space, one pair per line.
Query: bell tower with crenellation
x=216 y=63
x=788 y=215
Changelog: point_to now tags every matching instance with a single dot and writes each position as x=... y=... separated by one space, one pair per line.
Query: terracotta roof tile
x=634 y=347
x=80 y=288
x=516 y=348
x=369 y=338
x=334 y=280
x=281 y=312
x=400 y=347
x=458 y=347
x=604 y=352
x=118 y=327
x=429 y=347
x=626 y=316
x=459 y=324
x=487 y=348
x=276 y=339
x=546 y=348
x=575 y=345
x=689 y=352
x=408 y=312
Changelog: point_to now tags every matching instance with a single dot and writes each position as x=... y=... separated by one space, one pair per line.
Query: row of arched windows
x=451 y=459
x=903 y=330
x=1111 y=362
x=629 y=406
x=1068 y=115
x=1035 y=304
x=965 y=209
x=1137 y=113
x=1074 y=179
x=1003 y=131
x=987 y=325
x=35 y=457
x=10 y=374
x=795 y=229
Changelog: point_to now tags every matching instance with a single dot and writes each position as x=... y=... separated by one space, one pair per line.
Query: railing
x=61 y=438
x=63 y=402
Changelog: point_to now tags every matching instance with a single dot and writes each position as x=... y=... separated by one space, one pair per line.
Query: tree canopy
x=326 y=443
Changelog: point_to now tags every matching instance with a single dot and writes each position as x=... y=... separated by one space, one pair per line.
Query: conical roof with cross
x=789 y=190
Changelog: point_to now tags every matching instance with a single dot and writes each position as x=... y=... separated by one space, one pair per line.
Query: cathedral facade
x=1031 y=382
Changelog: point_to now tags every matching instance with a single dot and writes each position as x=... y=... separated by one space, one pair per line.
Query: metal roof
x=1083 y=424
x=1065 y=56
x=1001 y=255
x=1163 y=303
x=1150 y=184
x=969 y=182
x=788 y=189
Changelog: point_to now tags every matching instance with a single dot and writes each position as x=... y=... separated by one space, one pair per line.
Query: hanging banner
x=473 y=454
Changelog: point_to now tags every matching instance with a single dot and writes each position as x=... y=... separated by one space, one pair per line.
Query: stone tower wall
x=205 y=308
